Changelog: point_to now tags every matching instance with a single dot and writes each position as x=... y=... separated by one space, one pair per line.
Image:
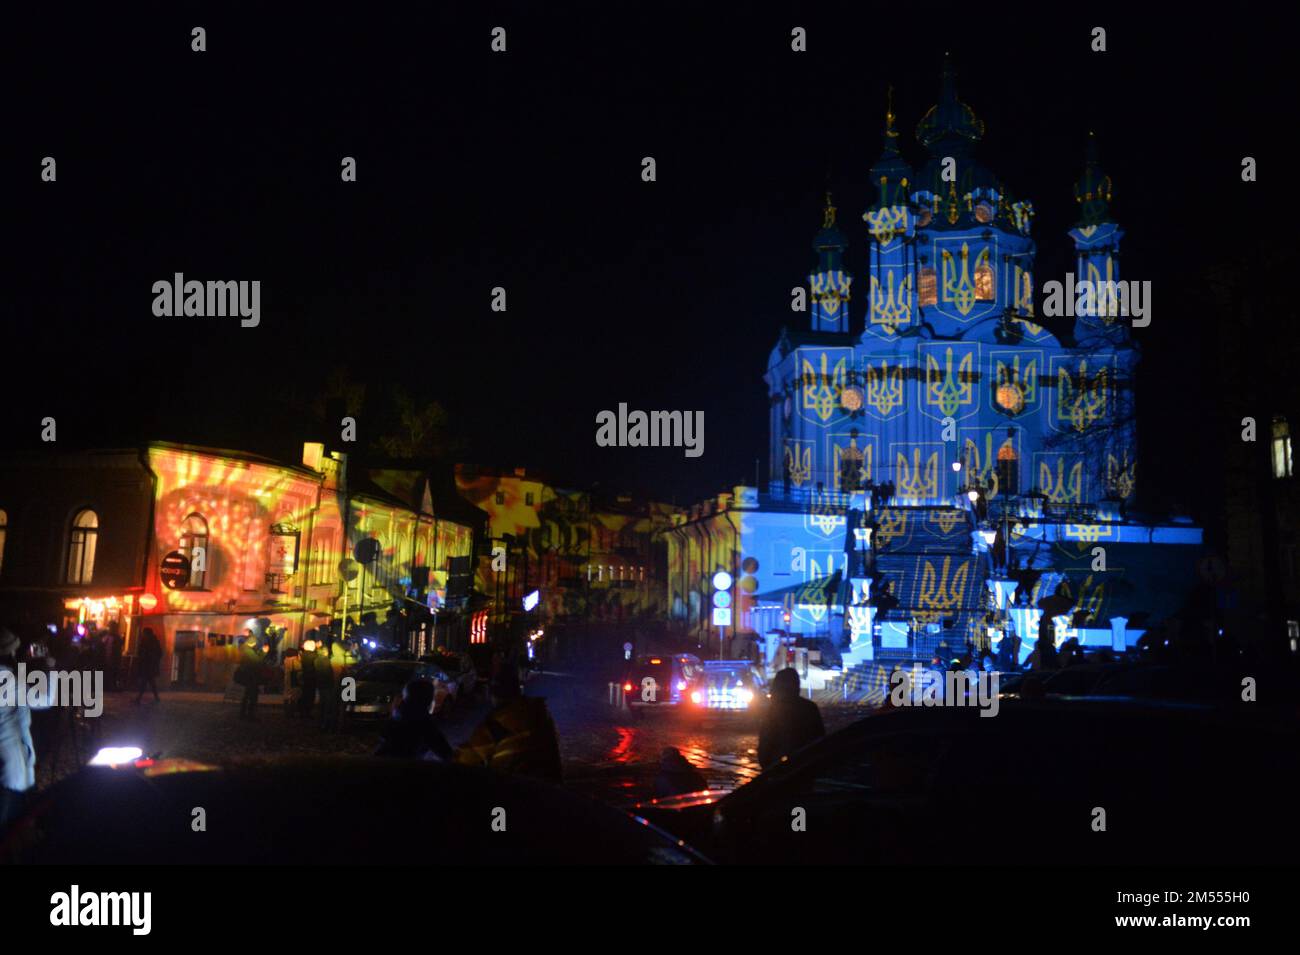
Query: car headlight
x=116 y=755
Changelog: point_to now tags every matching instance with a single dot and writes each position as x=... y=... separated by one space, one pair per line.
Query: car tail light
x=627 y=687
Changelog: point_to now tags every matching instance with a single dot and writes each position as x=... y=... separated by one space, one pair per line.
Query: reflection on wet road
x=614 y=756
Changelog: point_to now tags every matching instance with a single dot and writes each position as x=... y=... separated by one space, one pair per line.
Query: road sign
x=722 y=616
x=174 y=569
x=722 y=580
x=721 y=598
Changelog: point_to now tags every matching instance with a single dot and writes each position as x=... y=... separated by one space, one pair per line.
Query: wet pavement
x=608 y=754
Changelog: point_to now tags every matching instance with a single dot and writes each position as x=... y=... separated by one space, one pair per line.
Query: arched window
x=4 y=526
x=194 y=545
x=1008 y=470
x=81 y=547
x=983 y=282
x=929 y=289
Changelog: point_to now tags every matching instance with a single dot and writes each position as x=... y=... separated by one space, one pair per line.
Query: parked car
x=944 y=785
x=317 y=811
x=380 y=683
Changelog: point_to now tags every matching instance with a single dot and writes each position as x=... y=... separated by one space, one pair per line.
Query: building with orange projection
x=202 y=545
x=590 y=557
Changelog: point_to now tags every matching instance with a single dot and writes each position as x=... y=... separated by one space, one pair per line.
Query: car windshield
x=385 y=672
x=727 y=678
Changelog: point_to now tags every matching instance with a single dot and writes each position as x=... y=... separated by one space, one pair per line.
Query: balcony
x=277 y=583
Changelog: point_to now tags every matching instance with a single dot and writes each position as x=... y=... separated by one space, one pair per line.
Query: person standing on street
x=148 y=658
x=327 y=687
x=17 y=751
x=308 y=677
x=790 y=723
x=412 y=732
x=248 y=675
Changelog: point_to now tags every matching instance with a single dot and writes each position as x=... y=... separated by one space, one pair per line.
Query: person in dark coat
x=1045 y=656
x=412 y=733
x=307 y=676
x=327 y=687
x=114 y=654
x=518 y=735
x=249 y=675
x=790 y=723
x=677 y=775
x=148 y=658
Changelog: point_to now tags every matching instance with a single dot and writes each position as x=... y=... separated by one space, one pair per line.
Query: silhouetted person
x=114 y=655
x=327 y=686
x=147 y=660
x=249 y=675
x=307 y=678
x=677 y=775
x=1071 y=654
x=790 y=723
x=412 y=733
x=1044 y=656
x=518 y=736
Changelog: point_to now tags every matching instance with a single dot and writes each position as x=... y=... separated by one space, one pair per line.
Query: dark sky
x=523 y=170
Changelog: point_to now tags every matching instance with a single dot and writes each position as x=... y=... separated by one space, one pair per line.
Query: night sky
x=522 y=170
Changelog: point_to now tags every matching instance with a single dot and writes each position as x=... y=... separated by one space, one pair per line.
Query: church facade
x=944 y=467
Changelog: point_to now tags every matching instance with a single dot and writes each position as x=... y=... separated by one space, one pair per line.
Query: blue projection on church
x=939 y=473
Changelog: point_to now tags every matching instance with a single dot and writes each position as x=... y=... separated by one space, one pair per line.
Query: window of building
x=501 y=497
x=1281 y=448
x=528 y=498
x=81 y=547
x=4 y=526
x=929 y=289
x=1008 y=470
x=194 y=545
x=983 y=282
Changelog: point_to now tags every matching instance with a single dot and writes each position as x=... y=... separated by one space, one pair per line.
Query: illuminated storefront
x=203 y=545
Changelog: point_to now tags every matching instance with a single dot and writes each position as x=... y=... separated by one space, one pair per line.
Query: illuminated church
x=940 y=462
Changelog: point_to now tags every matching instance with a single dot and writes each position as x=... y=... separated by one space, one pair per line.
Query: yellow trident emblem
x=983 y=468
x=824 y=513
x=1059 y=490
x=890 y=307
x=830 y=289
x=1121 y=475
x=945 y=390
x=884 y=224
x=892 y=525
x=1081 y=400
x=958 y=288
x=945 y=519
x=853 y=463
x=1090 y=598
x=798 y=463
x=1105 y=305
x=884 y=387
x=1025 y=381
x=821 y=392
x=913 y=481
x=940 y=591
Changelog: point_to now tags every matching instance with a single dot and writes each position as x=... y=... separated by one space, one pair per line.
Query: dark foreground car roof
x=323 y=811
x=1178 y=783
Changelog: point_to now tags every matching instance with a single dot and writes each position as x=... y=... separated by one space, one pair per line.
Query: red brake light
x=627 y=687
